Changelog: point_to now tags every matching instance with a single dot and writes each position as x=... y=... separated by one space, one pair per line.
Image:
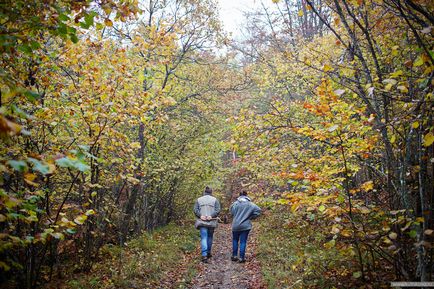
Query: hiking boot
x=234 y=258
x=242 y=261
x=208 y=255
x=204 y=259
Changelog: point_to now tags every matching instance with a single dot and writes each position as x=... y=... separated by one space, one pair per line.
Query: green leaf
x=88 y=19
x=38 y=166
x=321 y=208
x=20 y=166
x=35 y=45
x=81 y=166
x=4 y=266
x=71 y=231
x=357 y=274
x=340 y=199
x=64 y=163
x=32 y=96
x=73 y=38
x=62 y=29
x=84 y=25
x=63 y=17
x=21 y=113
x=25 y=48
x=412 y=233
x=58 y=236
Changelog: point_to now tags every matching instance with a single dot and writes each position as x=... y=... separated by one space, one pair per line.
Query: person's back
x=206 y=208
x=243 y=210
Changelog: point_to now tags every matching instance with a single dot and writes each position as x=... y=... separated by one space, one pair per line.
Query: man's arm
x=233 y=208
x=217 y=208
x=197 y=209
x=256 y=212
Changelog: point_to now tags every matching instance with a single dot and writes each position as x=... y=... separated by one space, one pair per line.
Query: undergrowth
x=143 y=262
x=292 y=255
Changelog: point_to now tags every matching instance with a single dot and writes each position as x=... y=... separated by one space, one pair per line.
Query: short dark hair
x=208 y=190
x=243 y=193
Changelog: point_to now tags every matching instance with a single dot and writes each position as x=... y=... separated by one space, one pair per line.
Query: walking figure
x=206 y=209
x=243 y=210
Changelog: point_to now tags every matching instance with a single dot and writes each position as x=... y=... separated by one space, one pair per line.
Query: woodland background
x=115 y=114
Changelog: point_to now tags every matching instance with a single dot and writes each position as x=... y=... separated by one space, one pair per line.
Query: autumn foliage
x=115 y=114
x=340 y=127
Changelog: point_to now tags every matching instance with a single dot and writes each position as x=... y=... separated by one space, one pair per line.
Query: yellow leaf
x=420 y=219
x=300 y=13
x=367 y=186
x=330 y=244
x=388 y=87
x=418 y=62
x=135 y=145
x=29 y=176
x=403 y=88
x=415 y=124
x=327 y=68
x=80 y=219
x=108 y=22
x=428 y=139
x=90 y=212
x=393 y=236
x=393 y=139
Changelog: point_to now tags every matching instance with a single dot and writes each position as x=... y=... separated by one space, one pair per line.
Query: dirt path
x=222 y=273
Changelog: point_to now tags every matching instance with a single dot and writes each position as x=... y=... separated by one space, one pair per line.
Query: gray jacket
x=243 y=210
x=207 y=205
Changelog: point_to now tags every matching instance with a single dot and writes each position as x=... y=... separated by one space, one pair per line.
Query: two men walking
x=242 y=210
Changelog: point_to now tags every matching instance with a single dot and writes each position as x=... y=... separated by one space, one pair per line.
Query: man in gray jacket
x=243 y=210
x=206 y=209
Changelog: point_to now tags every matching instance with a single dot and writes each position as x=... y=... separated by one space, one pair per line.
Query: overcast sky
x=231 y=12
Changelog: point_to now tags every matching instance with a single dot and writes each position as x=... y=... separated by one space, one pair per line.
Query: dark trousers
x=239 y=237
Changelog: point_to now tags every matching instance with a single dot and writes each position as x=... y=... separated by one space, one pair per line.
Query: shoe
x=234 y=258
x=242 y=261
x=208 y=255
x=204 y=259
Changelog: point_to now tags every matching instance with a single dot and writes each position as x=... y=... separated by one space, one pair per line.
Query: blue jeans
x=241 y=237
x=206 y=235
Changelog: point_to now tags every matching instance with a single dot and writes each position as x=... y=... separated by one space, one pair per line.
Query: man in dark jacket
x=243 y=210
x=206 y=209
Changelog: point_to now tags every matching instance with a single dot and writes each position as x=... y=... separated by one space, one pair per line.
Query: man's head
x=208 y=191
x=243 y=193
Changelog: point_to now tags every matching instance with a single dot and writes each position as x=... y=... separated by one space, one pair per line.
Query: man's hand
x=208 y=218
x=203 y=218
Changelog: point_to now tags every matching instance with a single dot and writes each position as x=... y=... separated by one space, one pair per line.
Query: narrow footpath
x=222 y=273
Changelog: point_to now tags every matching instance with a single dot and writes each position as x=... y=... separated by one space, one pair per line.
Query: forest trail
x=222 y=273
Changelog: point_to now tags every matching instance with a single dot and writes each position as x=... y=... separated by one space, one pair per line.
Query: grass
x=144 y=262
